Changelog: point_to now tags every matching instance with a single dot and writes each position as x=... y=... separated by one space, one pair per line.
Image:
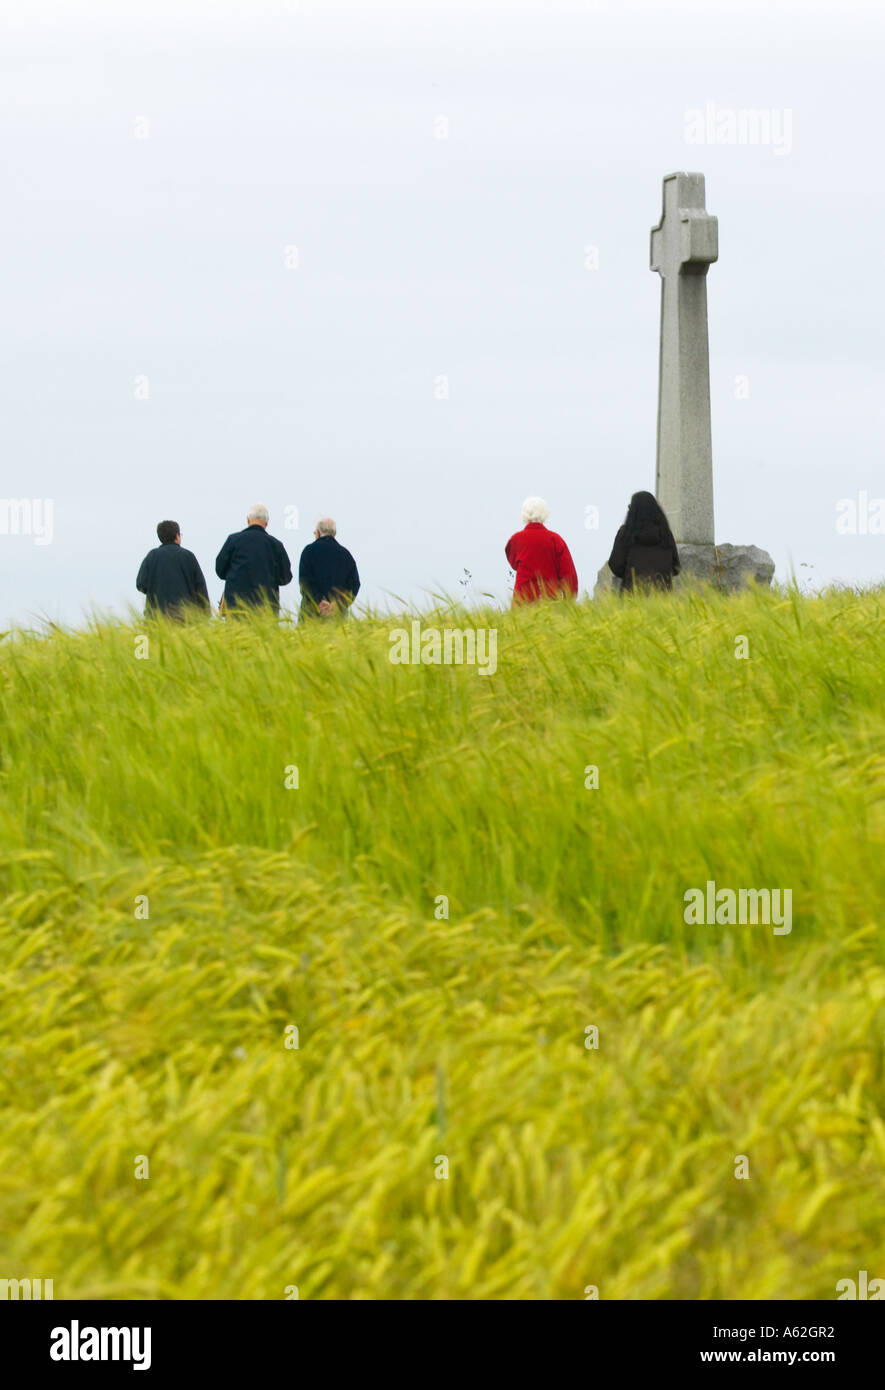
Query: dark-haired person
x=253 y=565
x=644 y=555
x=170 y=576
x=327 y=574
x=542 y=560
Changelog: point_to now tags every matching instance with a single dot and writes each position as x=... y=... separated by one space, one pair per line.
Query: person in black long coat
x=170 y=576
x=327 y=574
x=253 y=565
x=644 y=554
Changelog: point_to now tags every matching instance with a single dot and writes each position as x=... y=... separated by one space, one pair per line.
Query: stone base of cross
x=726 y=567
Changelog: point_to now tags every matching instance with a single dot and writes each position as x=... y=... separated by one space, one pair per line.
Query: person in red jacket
x=544 y=567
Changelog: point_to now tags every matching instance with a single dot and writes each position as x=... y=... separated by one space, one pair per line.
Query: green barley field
x=175 y=918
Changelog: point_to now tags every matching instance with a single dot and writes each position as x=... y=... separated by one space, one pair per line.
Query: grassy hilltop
x=425 y=1040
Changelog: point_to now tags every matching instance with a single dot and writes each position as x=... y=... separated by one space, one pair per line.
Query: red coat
x=543 y=565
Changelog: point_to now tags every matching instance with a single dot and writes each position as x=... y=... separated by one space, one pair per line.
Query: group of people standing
x=255 y=565
x=644 y=555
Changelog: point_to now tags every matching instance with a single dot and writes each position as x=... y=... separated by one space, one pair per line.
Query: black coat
x=253 y=566
x=327 y=571
x=651 y=556
x=170 y=576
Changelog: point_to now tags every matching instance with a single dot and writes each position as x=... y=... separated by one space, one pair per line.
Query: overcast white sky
x=316 y=126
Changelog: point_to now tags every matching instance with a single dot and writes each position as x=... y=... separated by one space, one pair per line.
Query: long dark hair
x=644 y=514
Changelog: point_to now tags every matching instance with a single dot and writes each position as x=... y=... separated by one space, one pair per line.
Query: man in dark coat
x=253 y=565
x=170 y=576
x=327 y=574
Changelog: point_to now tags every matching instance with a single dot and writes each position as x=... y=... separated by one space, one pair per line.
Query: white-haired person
x=327 y=574
x=253 y=565
x=541 y=558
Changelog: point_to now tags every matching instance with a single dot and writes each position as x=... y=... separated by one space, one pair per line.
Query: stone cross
x=683 y=246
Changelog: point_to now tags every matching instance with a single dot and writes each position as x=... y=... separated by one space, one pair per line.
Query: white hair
x=535 y=509
x=326 y=526
x=258 y=513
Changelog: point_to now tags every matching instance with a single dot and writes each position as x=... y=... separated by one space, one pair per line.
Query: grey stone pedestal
x=727 y=567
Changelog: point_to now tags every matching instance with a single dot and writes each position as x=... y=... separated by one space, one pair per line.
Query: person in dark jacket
x=170 y=576
x=327 y=574
x=253 y=565
x=644 y=554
